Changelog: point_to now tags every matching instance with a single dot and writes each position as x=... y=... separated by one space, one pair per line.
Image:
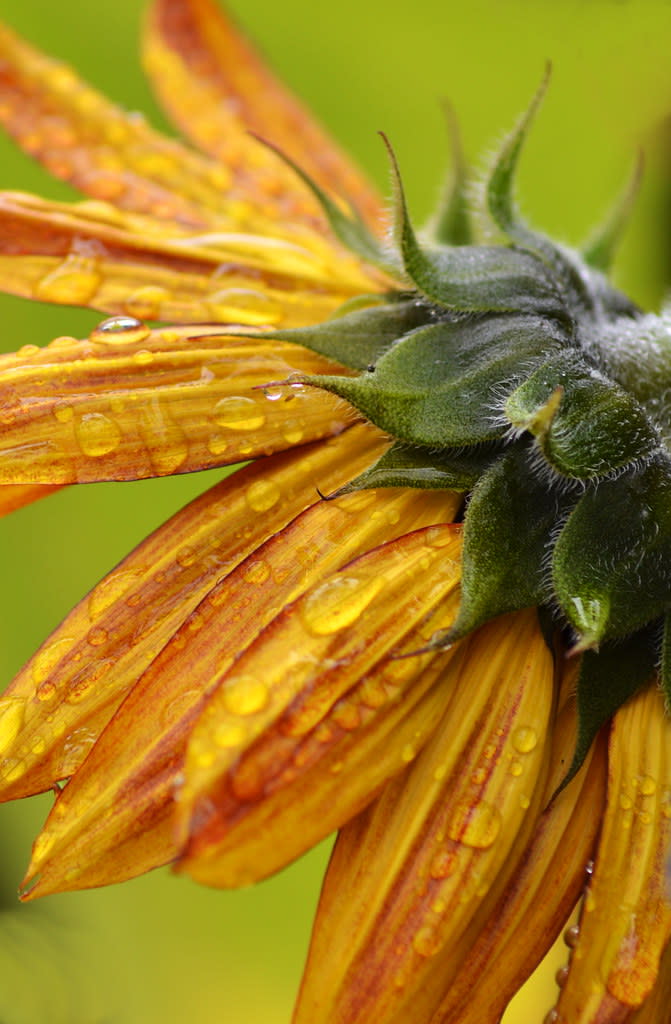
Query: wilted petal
x=626 y=916
x=413 y=878
x=333 y=716
x=57 y=705
x=80 y=255
x=217 y=89
x=132 y=403
x=114 y=820
x=541 y=893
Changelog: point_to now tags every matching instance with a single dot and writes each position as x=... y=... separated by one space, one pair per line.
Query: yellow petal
x=309 y=723
x=114 y=820
x=626 y=917
x=657 y=1007
x=217 y=89
x=128 y=403
x=80 y=254
x=67 y=692
x=542 y=892
x=412 y=879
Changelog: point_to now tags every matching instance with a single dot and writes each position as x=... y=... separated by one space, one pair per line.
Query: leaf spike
x=349 y=228
x=500 y=198
x=600 y=249
x=450 y=223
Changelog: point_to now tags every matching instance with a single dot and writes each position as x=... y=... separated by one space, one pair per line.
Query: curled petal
x=626 y=916
x=57 y=705
x=85 y=255
x=100 y=832
x=131 y=403
x=413 y=878
x=217 y=89
x=265 y=781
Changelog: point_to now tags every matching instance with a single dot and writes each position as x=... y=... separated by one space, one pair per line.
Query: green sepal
x=437 y=386
x=473 y=279
x=349 y=228
x=611 y=564
x=451 y=221
x=359 y=338
x=606 y=681
x=507 y=532
x=585 y=425
x=600 y=250
x=409 y=466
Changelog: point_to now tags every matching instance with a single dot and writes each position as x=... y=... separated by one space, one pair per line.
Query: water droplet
x=647 y=785
x=561 y=976
x=516 y=768
x=256 y=572
x=12 y=714
x=262 y=495
x=47 y=691
x=48 y=657
x=186 y=556
x=63 y=412
x=245 y=695
x=146 y=303
x=475 y=825
x=571 y=936
x=144 y=357
x=97 y=434
x=243 y=305
x=338 y=603
x=292 y=431
x=238 y=413
x=228 y=734
x=525 y=739
x=443 y=864
x=589 y=869
x=75 y=748
x=373 y=693
x=110 y=590
x=626 y=803
x=426 y=942
x=165 y=440
x=74 y=282
x=551 y=1017
x=120 y=330
x=97 y=636
x=525 y=802
x=347 y=715
x=39 y=745
x=408 y=753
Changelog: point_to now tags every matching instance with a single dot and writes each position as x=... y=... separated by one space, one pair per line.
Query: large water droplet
x=238 y=412
x=262 y=495
x=525 y=739
x=97 y=434
x=245 y=695
x=48 y=657
x=110 y=590
x=229 y=735
x=12 y=714
x=75 y=282
x=426 y=942
x=120 y=330
x=338 y=603
x=475 y=824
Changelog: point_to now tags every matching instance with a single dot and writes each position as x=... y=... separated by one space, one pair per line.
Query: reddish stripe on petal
x=115 y=818
x=68 y=691
x=217 y=89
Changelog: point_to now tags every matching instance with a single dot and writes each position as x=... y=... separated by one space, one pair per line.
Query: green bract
x=517 y=374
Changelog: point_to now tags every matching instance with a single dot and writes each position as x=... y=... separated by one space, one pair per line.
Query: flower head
x=459 y=473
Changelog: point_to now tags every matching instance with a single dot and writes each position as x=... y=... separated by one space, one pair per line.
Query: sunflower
x=431 y=611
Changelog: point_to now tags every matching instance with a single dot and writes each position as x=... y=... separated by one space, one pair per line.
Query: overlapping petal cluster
x=269 y=666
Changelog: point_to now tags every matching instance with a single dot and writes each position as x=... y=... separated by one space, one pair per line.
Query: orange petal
x=58 y=704
x=129 y=403
x=657 y=1007
x=216 y=87
x=412 y=879
x=114 y=820
x=15 y=496
x=315 y=716
x=82 y=255
x=626 y=916
x=541 y=893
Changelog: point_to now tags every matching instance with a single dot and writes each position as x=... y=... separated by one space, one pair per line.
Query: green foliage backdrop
x=160 y=949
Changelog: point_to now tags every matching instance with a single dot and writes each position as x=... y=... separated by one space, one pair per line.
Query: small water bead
x=475 y=825
x=120 y=330
x=110 y=590
x=74 y=750
x=256 y=572
x=551 y=1017
x=12 y=715
x=146 y=303
x=46 y=659
x=347 y=715
x=186 y=556
x=262 y=495
x=245 y=695
x=47 y=691
x=293 y=431
x=647 y=785
x=427 y=942
x=242 y=305
x=97 y=636
x=228 y=734
x=516 y=768
x=525 y=739
x=97 y=434
x=408 y=753
x=571 y=936
x=238 y=412
x=338 y=603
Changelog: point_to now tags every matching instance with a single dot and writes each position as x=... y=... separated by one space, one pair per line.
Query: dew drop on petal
x=647 y=785
x=63 y=412
x=475 y=824
x=146 y=303
x=408 y=753
x=109 y=591
x=245 y=695
x=97 y=434
x=229 y=735
x=46 y=659
x=525 y=739
x=262 y=495
x=120 y=330
x=238 y=413
x=75 y=282
x=292 y=431
x=12 y=714
x=338 y=603
x=97 y=636
x=426 y=942
x=571 y=936
x=256 y=572
x=75 y=748
x=551 y=1017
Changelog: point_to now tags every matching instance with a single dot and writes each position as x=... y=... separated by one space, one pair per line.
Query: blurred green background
x=161 y=949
